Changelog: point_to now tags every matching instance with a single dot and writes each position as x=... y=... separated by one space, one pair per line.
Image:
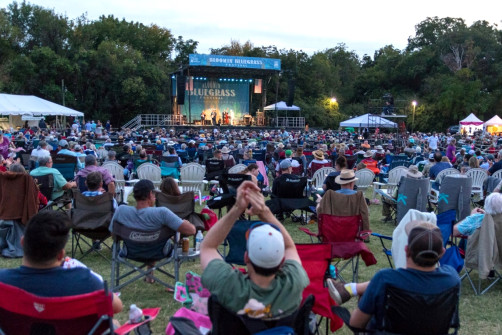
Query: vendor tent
x=494 y=125
x=281 y=106
x=25 y=108
x=11 y=104
x=470 y=124
x=368 y=120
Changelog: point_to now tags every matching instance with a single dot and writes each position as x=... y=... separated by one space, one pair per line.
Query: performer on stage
x=225 y=116
x=232 y=117
x=203 y=118
x=213 y=116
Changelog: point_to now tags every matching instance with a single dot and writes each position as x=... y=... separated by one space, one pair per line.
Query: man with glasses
x=275 y=279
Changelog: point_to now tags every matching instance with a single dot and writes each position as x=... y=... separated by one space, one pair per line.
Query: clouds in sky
x=363 y=26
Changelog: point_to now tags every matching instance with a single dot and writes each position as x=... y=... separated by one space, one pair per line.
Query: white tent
x=470 y=124
x=281 y=106
x=11 y=104
x=365 y=121
x=494 y=125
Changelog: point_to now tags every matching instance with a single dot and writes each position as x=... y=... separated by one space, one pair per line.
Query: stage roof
x=220 y=66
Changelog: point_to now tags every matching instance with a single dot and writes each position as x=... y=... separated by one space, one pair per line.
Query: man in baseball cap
x=275 y=279
x=422 y=276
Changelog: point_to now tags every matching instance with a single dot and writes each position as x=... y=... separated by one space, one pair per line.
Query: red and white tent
x=470 y=124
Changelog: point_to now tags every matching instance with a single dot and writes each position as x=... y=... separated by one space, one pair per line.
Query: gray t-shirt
x=150 y=218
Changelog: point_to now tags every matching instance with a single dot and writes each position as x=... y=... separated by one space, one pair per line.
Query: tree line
x=115 y=69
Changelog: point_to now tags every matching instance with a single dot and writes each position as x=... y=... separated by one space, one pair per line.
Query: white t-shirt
x=40 y=153
x=433 y=142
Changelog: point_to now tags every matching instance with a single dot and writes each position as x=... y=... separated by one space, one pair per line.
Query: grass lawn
x=478 y=314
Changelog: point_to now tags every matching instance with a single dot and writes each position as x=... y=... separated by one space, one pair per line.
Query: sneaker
x=337 y=291
x=96 y=245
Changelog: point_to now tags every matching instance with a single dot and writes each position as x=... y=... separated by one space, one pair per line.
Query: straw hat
x=318 y=154
x=368 y=154
x=345 y=177
x=225 y=150
x=413 y=172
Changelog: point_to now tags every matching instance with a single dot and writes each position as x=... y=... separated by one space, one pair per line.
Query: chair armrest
x=377 y=183
x=364 y=234
x=308 y=232
x=344 y=314
x=385 y=237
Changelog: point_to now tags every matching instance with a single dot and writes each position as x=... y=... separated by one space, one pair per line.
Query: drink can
x=185 y=245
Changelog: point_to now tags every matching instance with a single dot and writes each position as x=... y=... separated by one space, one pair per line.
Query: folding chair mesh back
x=225 y=322
x=417 y=313
x=236 y=240
x=412 y=193
x=182 y=205
x=66 y=165
x=23 y=313
x=146 y=247
x=46 y=184
x=91 y=217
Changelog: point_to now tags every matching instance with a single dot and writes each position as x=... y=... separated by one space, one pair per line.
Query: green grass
x=478 y=314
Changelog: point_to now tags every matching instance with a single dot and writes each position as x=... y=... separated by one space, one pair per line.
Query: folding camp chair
x=170 y=167
x=91 y=218
x=228 y=185
x=65 y=164
x=46 y=186
x=236 y=242
x=345 y=235
x=226 y=322
x=408 y=312
x=23 y=313
x=482 y=253
x=289 y=197
x=411 y=193
x=316 y=259
x=455 y=193
x=144 y=247
x=182 y=205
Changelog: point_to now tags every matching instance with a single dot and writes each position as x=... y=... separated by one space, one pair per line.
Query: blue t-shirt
x=346 y=191
x=426 y=282
x=53 y=282
x=438 y=167
x=150 y=218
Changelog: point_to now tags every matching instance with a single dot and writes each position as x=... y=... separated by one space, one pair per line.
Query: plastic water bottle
x=332 y=271
x=135 y=314
x=198 y=240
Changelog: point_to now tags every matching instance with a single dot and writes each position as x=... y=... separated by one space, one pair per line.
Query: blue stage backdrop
x=222 y=95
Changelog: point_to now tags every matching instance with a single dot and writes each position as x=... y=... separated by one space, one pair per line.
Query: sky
x=364 y=26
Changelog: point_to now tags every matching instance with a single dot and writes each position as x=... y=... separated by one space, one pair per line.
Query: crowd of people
x=273 y=284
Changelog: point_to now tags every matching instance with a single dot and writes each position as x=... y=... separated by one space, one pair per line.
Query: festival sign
x=228 y=101
x=234 y=61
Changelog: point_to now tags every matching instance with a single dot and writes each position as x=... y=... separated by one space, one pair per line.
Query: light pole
x=414 y=103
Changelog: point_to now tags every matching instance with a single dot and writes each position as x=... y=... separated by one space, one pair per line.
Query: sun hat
x=225 y=150
x=368 y=154
x=265 y=245
x=319 y=155
x=413 y=172
x=280 y=145
x=63 y=143
x=345 y=177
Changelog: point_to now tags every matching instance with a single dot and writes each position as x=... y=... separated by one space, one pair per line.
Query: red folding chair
x=316 y=166
x=25 y=313
x=315 y=260
x=345 y=235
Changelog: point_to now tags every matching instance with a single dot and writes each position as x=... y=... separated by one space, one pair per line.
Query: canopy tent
x=281 y=106
x=365 y=121
x=470 y=125
x=11 y=104
x=494 y=125
x=17 y=107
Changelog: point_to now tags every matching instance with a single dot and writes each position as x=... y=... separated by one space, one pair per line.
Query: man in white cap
x=275 y=279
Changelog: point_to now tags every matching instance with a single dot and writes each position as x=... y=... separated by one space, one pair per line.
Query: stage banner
x=226 y=101
x=235 y=61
